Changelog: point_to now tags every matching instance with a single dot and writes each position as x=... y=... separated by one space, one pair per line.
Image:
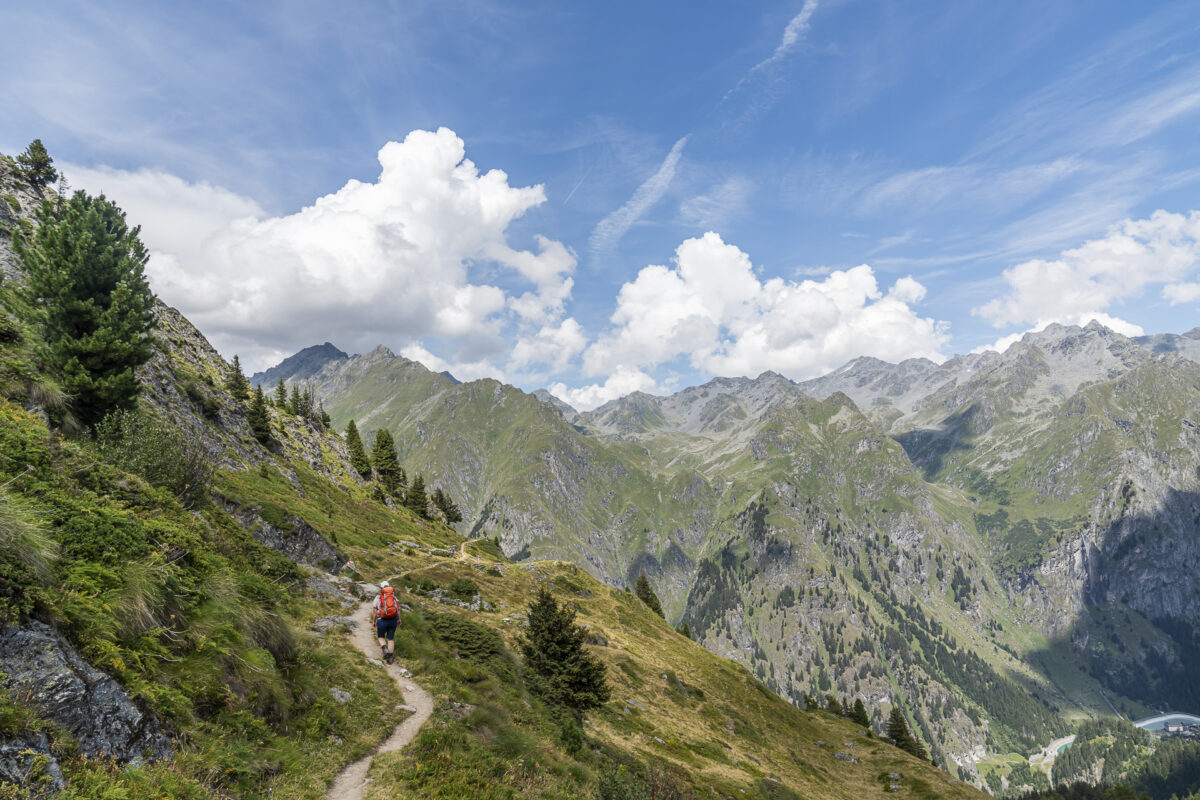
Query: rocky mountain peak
x=301 y=365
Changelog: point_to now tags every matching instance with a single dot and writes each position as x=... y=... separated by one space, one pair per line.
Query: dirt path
x=351 y=783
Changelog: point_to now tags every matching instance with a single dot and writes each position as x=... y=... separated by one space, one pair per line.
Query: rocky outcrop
x=44 y=672
x=26 y=762
x=19 y=203
x=291 y=536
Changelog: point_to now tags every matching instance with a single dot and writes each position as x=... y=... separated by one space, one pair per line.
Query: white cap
x=384 y=584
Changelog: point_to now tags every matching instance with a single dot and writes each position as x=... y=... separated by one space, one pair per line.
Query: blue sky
x=689 y=189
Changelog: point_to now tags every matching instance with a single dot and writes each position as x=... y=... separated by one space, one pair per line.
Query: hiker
x=385 y=612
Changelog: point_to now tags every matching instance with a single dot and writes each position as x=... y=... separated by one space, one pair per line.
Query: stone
x=45 y=671
x=849 y=759
x=339 y=696
x=323 y=624
x=321 y=587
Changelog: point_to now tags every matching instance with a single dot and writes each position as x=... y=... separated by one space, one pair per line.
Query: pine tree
x=684 y=630
x=443 y=503
x=642 y=589
x=900 y=735
x=560 y=670
x=416 y=501
x=258 y=417
x=859 y=714
x=387 y=465
x=358 y=454
x=281 y=395
x=235 y=381
x=85 y=274
x=37 y=165
x=833 y=705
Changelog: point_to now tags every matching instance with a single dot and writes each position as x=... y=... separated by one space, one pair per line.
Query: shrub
x=204 y=400
x=464 y=588
x=147 y=446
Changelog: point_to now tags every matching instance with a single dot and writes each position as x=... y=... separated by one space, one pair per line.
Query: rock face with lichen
x=43 y=669
x=19 y=204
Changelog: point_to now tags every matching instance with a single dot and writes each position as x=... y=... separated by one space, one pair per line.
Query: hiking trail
x=351 y=782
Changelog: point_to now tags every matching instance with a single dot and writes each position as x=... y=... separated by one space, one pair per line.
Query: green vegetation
x=137 y=441
x=899 y=734
x=562 y=672
x=85 y=273
x=386 y=462
x=358 y=454
x=446 y=506
x=415 y=499
x=36 y=165
x=257 y=417
x=235 y=381
x=646 y=594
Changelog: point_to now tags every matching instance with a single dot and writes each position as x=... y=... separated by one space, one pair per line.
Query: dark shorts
x=387 y=627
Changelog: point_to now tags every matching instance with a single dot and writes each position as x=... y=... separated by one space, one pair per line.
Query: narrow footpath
x=351 y=783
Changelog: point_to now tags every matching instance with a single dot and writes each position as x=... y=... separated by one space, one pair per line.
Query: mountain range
x=1009 y=538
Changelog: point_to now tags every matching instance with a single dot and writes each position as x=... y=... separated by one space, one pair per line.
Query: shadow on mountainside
x=928 y=448
x=1139 y=632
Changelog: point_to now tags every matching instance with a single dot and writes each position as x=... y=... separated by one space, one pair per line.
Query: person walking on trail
x=385 y=612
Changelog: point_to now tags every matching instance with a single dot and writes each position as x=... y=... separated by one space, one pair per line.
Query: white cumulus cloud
x=623 y=381
x=1085 y=281
x=712 y=310
x=1177 y=293
x=393 y=261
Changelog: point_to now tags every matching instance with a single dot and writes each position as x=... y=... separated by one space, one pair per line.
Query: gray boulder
x=42 y=669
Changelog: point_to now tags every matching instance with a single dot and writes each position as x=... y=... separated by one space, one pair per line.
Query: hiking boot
x=390 y=658
x=383 y=653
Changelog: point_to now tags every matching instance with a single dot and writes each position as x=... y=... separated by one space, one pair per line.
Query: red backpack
x=387 y=603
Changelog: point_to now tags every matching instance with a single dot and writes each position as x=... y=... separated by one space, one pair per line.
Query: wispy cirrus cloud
x=609 y=230
x=796 y=28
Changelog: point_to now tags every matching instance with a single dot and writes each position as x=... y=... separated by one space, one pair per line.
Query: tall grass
x=25 y=537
